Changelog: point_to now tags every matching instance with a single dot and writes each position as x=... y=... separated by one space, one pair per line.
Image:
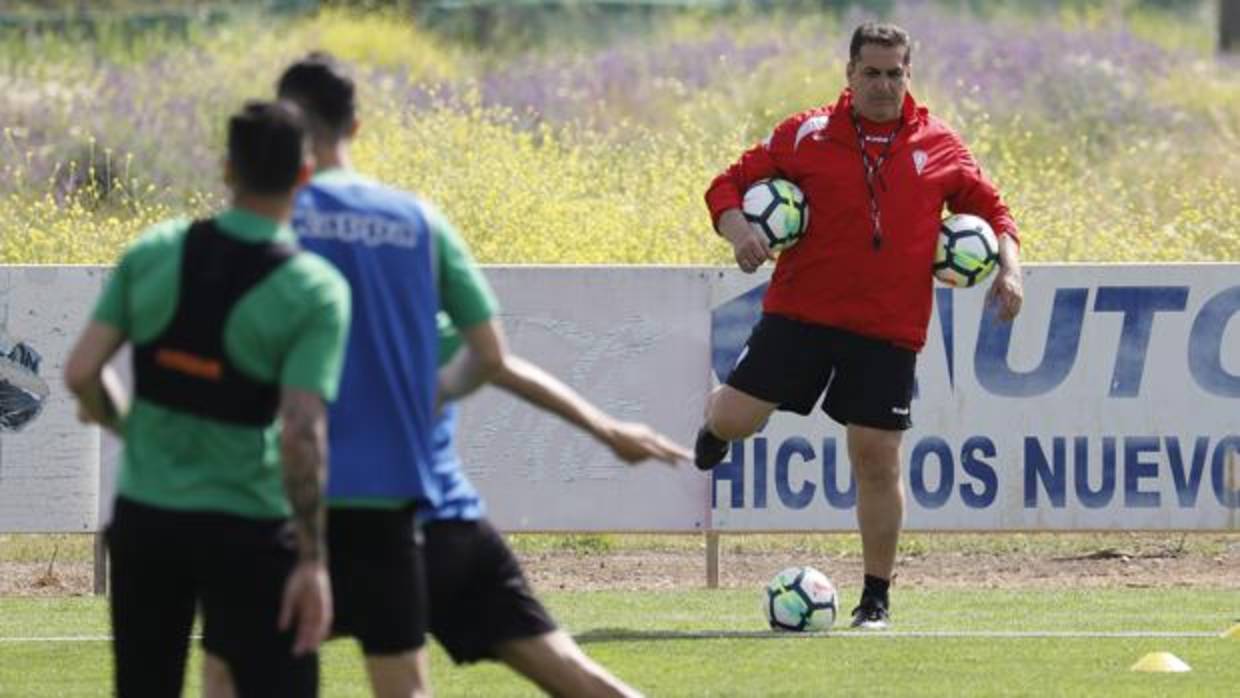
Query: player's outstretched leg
x=406 y=674
x=217 y=681
x=559 y=667
x=730 y=415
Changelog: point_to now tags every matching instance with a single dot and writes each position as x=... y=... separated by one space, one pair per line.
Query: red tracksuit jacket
x=835 y=275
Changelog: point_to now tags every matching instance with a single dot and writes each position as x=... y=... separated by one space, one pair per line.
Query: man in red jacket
x=847 y=308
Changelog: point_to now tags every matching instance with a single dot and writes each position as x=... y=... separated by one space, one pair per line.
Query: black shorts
x=166 y=563
x=867 y=381
x=378 y=578
x=478 y=595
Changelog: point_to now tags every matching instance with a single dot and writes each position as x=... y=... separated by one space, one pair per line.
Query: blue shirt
x=460 y=500
x=382 y=241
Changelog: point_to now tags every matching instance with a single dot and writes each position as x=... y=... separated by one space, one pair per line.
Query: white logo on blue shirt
x=353 y=227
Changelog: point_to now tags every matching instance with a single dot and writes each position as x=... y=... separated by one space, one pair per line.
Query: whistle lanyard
x=873 y=170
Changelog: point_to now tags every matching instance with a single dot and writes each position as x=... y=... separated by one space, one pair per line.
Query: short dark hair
x=324 y=90
x=883 y=34
x=266 y=144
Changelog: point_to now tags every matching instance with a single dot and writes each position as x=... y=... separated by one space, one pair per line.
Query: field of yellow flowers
x=1115 y=137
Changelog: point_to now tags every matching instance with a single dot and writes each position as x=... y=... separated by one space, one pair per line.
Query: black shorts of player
x=165 y=564
x=479 y=597
x=867 y=381
x=378 y=578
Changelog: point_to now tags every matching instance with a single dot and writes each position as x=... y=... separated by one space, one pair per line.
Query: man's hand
x=1007 y=291
x=749 y=245
x=101 y=396
x=633 y=442
x=115 y=400
x=307 y=606
x=307 y=602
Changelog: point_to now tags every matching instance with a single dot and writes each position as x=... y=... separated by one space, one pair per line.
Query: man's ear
x=230 y=178
x=306 y=171
x=351 y=132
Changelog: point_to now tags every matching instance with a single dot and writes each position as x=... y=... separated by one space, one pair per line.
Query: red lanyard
x=873 y=170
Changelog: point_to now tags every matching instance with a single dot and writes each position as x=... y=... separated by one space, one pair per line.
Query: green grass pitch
x=714 y=643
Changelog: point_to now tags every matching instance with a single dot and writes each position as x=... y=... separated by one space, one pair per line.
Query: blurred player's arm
x=102 y=398
x=632 y=442
x=470 y=308
x=309 y=380
x=478 y=361
x=303 y=453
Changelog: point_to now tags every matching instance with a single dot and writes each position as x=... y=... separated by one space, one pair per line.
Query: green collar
x=252 y=227
x=335 y=173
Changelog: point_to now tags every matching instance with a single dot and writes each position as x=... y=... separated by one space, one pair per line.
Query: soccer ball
x=778 y=208
x=967 y=251
x=800 y=599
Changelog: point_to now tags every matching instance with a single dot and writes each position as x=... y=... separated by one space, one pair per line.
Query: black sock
x=876 y=588
x=709 y=440
x=709 y=450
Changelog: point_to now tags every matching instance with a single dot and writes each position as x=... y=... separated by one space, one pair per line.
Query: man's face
x=879 y=79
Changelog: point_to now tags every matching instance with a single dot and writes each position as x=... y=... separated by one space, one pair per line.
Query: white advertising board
x=49 y=463
x=634 y=341
x=1112 y=402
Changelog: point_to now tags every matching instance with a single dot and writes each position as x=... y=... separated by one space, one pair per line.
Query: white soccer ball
x=800 y=599
x=778 y=208
x=967 y=251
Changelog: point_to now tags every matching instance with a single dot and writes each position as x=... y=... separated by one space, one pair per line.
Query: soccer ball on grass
x=800 y=599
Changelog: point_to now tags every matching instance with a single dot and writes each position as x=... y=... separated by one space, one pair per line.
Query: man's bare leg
x=730 y=415
x=875 y=456
x=557 y=665
x=404 y=675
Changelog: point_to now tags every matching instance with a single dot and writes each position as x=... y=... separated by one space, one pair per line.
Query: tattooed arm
x=303 y=450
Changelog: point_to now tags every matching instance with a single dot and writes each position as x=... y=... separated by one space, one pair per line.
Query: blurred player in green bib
x=237 y=340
